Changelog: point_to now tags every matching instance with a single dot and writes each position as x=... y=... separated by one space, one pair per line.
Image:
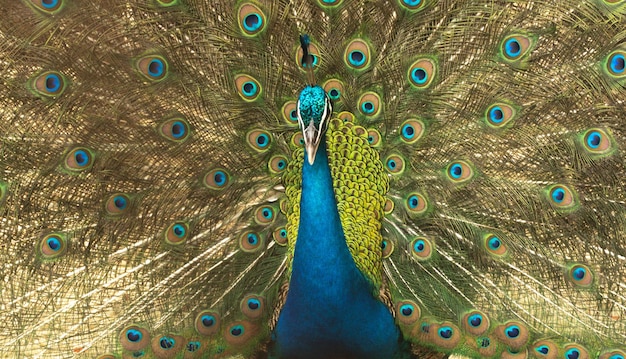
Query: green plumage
x=150 y=172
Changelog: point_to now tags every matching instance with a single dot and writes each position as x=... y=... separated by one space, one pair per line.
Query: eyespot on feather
x=475 y=322
x=421 y=248
x=207 y=323
x=216 y=179
x=79 y=159
x=459 y=171
x=357 y=55
x=152 y=67
x=117 y=204
x=253 y=306
x=545 y=349
x=280 y=236
x=48 y=84
x=53 y=245
x=513 y=334
x=580 y=275
x=251 y=20
x=167 y=346
x=408 y=312
x=134 y=338
x=422 y=73
x=290 y=112
x=250 y=242
x=369 y=104
x=334 y=89
x=177 y=233
x=247 y=87
x=175 y=129
x=394 y=164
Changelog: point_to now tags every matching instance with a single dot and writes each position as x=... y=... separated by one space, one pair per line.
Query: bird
x=313 y=179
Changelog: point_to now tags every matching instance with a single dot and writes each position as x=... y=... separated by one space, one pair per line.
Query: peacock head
x=314 y=111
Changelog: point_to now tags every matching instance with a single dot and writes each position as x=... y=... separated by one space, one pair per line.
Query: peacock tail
x=462 y=193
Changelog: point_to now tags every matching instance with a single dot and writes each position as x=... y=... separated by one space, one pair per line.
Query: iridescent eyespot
x=177 y=233
x=513 y=334
x=369 y=104
x=297 y=140
x=238 y=333
x=407 y=312
x=394 y=164
x=153 y=67
x=499 y=115
x=416 y=203
x=334 y=89
x=411 y=130
x=48 y=84
x=357 y=55
x=562 y=198
x=207 y=322
x=475 y=322
x=277 y=164
x=216 y=179
x=259 y=140
x=494 y=245
x=373 y=137
x=175 y=129
x=252 y=306
x=290 y=112
x=247 y=87
x=597 y=141
x=575 y=351
x=250 y=242
x=117 y=204
x=252 y=20
x=280 y=236
x=167 y=346
x=421 y=248
x=264 y=215
x=52 y=246
x=545 y=349
x=48 y=6
x=580 y=275
x=412 y=5
x=616 y=64
x=459 y=171
x=515 y=47
x=79 y=159
x=446 y=335
x=313 y=51
x=387 y=247
x=422 y=73
x=134 y=338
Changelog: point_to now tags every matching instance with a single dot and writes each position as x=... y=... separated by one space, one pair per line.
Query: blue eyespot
x=445 y=332
x=475 y=320
x=494 y=243
x=254 y=304
x=252 y=22
x=237 y=330
x=391 y=164
x=406 y=310
x=419 y=246
x=49 y=4
x=156 y=68
x=249 y=88
x=357 y=58
x=133 y=335
x=178 y=129
x=54 y=243
x=558 y=194
x=334 y=94
x=208 y=320
x=262 y=140
x=253 y=239
x=579 y=273
x=512 y=48
x=594 y=138
x=419 y=75
x=179 y=230
x=412 y=2
x=120 y=202
x=367 y=107
x=413 y=202
x=512 y=331
x=53 y=82
x=496 y=114
x=81 y=157
x=572 y=354
x=408 y=131
x=543 y=349
x=220 y=178
x=456 y=171
x=617 y=63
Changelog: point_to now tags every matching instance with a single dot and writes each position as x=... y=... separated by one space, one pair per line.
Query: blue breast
x=330 y=310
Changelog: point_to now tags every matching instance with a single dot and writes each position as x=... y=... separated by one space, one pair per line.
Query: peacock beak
x=312 y=136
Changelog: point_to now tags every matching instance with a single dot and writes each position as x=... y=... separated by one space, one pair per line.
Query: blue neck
x=330 y=309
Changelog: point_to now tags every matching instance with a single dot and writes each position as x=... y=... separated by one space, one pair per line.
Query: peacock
x=313 y=179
